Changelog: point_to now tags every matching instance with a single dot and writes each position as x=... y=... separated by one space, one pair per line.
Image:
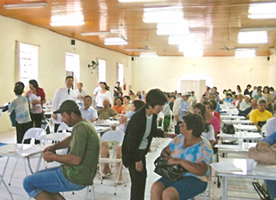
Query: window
x=27 y=62
x=102 y=70
x=72 y=66
x=121 y=73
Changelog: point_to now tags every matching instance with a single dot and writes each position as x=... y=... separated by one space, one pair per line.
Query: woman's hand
x=139 y=166
x=173 y=161
x=170 y=135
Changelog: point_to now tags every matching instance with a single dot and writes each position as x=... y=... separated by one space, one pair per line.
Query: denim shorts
x=50 y=180
x=187 y=187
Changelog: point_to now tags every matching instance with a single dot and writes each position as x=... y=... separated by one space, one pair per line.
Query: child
x=22 y=113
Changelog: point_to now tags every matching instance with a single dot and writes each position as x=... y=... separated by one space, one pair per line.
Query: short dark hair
x=195 y=123
x=173 y=96
x=155 y=97
x=138 y=104
x=67 y=77
x=210 y=104
x=18 y=89
x=127 y=97
x=214 y=102
x=20 y=83
x=118 y=82
x=121 y=99
x=34 y=83
x=215 y=87
x=89 y=97
x=202 y=109
x=248 y=85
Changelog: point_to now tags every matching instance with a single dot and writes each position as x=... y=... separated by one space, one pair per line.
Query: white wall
x=272 y=69
x=51 y=58
x=227 y=72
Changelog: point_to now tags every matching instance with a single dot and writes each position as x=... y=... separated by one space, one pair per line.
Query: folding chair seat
x=116 y=137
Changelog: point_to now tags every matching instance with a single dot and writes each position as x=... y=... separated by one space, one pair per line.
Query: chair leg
x=13 y=171
x=93 y=192
x=7 y=189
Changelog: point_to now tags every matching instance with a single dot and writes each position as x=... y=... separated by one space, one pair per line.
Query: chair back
x=33 y=133
x=62 y=127
x=116 y=136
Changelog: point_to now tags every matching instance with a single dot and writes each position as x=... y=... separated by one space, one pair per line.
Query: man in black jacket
x=140 y=130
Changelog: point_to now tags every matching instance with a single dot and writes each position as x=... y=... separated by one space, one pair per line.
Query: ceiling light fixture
x=144 y=55
x=25 y=5
x=115 y=41
x=262 y=11
x=163 y=14
x=181 y=27
x=76 y=19
x=96 y=33
x=254 y=37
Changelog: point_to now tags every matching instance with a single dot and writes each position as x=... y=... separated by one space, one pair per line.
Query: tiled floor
x=237 y=188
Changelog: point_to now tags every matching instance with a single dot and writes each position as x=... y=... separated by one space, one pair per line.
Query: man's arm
x=67 y=159
x=60 y=145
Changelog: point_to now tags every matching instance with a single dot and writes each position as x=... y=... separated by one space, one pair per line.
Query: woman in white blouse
x=102 y=95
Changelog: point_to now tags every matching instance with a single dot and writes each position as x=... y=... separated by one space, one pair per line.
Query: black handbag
x=172 y=172
x=228 y=128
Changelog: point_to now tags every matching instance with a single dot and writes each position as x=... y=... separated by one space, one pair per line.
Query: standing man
x=61 y=95
x=247 y=90
x=80 y=94
x=180 y=108
x=79 y=165
x=140 y=130
x=117 y=90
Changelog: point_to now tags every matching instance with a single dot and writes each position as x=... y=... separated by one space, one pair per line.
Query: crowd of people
x=196 y=127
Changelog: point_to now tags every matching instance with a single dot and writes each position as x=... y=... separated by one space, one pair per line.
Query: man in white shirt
x=62 y=94
x=80 y=94
x=87 y=111
x=180 y=108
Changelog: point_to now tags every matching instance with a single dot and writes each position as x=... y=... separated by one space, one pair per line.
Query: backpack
x=228 y=128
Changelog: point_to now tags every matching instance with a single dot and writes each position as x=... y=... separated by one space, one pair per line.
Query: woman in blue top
x=192 y=152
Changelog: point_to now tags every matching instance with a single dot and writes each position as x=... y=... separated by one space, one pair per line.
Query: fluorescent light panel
x=115 y=41
x=76 y=19
x=144 y=55
x=25 y=5
x=163 y=15
x=262 y=11
x=255 y=37
x=96 y=33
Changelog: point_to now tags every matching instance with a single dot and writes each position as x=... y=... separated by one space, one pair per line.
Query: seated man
x=87 y=111
x=245 y=102
x=247 y=111
x=260 y=115
x=106 y=112
x=79 y=165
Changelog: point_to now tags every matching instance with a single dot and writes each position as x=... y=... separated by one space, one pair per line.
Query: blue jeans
x=187 y=187
x=50 y=180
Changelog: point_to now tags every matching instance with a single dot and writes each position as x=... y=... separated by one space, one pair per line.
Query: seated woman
x=260 y=115
x=212 y=119
x=192 y=152
x=119 y=107
x=105 y=146
x=208 y=131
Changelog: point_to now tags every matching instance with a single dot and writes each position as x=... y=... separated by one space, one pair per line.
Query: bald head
x=106 y=103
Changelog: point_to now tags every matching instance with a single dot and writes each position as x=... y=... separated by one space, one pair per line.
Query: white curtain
x=198 y=86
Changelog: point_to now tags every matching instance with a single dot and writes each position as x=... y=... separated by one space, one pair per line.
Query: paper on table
x=225 y=167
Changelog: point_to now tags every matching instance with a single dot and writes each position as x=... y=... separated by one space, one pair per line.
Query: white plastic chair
x=117 y=137
x=33 y=134
x=63 y=127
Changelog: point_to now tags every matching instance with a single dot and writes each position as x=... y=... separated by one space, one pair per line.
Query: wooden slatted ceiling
x=210 y=22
